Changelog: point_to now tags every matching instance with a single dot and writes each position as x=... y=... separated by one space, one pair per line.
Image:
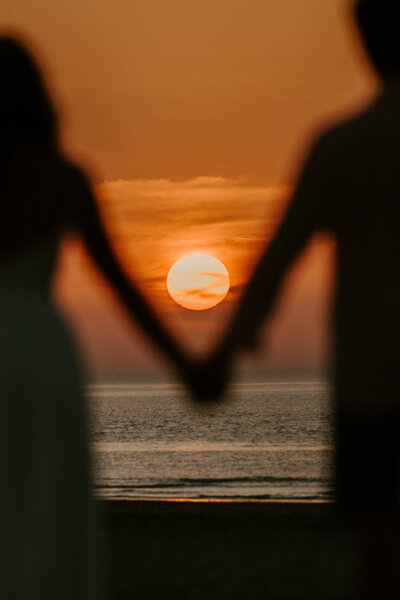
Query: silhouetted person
x=46 y=523
x=350 y=186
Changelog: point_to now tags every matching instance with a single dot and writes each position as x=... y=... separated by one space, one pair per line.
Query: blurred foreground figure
x=350 y=186
x=47 y=534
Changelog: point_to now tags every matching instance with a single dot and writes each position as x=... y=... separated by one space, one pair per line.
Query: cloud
x=153 y=223
x=200 y=201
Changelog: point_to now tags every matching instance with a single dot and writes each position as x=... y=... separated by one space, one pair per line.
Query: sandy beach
x=227 y=550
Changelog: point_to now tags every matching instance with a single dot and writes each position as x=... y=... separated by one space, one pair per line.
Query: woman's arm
x=89 y=223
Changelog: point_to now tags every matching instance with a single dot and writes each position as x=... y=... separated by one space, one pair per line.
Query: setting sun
x=198 y=281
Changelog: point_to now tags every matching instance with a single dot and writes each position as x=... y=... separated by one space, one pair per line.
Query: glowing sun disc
x=198 y=281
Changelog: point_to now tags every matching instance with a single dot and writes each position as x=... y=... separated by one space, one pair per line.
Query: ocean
x=265 y=441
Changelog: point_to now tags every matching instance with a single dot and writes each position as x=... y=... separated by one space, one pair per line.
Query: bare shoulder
x=73 y=175
x=71 y=186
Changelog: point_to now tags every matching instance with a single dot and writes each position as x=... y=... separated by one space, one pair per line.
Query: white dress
x=46 y=520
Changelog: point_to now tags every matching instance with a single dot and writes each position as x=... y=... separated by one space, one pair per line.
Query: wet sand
x=227 y=550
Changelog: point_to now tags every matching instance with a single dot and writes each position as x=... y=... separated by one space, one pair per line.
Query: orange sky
x=193 y=116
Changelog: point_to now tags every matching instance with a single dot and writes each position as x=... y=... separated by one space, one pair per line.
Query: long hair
x=26 y=111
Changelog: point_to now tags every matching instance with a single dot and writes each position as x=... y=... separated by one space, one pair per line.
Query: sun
x=198 y=281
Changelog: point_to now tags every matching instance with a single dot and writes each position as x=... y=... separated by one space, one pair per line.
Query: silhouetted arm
x=98 y=246
x=308 y=210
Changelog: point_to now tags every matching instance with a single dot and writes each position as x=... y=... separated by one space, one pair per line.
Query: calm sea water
x=268 y=440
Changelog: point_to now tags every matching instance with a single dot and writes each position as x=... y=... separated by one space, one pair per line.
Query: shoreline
x=272 y=508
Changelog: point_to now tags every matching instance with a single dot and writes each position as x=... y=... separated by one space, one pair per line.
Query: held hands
x=207 y=379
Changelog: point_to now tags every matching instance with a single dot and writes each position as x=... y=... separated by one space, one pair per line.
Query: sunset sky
x=192 y=118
